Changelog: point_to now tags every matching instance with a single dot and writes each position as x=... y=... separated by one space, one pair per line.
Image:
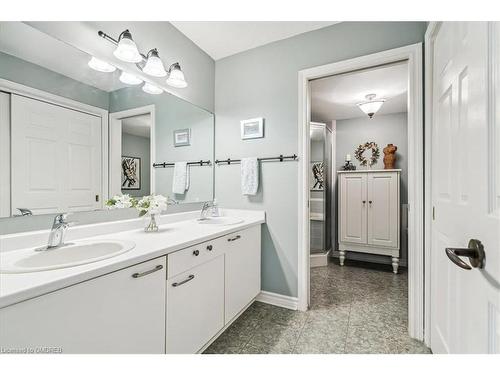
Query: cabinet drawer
x=190 y=257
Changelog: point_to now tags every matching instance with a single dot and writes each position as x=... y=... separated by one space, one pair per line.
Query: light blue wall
x=36 y=76
x=263 y=82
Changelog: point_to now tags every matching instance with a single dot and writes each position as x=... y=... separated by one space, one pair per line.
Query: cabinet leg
x=341 y=257
x=395 y=264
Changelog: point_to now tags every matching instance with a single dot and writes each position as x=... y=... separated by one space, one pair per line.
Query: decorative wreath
x=362 y=148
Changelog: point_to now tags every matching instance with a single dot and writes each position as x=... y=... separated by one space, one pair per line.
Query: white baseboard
x=280 y=300
x=319 y=259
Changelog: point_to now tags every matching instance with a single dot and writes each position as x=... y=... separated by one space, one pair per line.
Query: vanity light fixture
x=130 y=79
x=100 y=65
x=151 y=89
x=372 y=105
x=151 y=64
x=154 y=66
x=176 y=76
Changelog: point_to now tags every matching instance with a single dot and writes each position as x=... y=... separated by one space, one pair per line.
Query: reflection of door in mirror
x=131 y=150
x=55 y=158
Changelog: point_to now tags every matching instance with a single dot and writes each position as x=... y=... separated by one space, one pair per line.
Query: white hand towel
x=249 y=176
x=180 y=181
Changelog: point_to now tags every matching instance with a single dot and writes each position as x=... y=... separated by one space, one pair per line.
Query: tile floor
x=358 y=308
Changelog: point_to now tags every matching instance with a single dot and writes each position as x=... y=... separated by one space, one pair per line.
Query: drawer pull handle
x=190 y=277
x=209 y=247
x=141 y=274
x=234 y=238
x=196 y=253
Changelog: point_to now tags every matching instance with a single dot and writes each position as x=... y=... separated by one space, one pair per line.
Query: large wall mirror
x=73 y=137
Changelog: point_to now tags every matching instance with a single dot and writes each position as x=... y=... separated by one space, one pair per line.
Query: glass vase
x=152 y=226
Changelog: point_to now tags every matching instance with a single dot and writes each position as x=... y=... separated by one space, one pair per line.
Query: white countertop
x=370 y=170
x=172 y=236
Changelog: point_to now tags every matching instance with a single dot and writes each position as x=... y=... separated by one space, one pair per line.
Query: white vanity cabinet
x=121 y=312
x=208 y=285
x=242 y=258
x=369 y=214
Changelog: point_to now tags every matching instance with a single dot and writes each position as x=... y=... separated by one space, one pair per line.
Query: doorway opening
x=380 y=226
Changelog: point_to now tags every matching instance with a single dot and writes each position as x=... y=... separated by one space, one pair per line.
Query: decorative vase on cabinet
x=369 y=214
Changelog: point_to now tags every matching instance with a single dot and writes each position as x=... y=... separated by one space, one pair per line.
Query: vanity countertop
x=171 y=237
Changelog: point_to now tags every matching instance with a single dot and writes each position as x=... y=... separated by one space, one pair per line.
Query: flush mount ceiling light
x=151 y=64
x=154 y=66
x=176 y=76
x=151 y=89
x=372 y=105
x=100 y=65
x=130 y=79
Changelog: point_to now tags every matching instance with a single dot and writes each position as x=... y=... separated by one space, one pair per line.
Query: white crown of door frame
x=413 y=55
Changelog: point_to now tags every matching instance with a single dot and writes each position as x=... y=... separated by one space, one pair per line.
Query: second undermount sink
x=69 y=255
x=221 y=220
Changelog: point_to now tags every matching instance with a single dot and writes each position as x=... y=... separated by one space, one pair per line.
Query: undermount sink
x=221 y=220
x=70 y=255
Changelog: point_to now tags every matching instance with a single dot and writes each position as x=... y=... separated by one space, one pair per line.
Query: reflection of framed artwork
x=131 y=173
x=252 y=128
x=182 y=137
x=317 y=176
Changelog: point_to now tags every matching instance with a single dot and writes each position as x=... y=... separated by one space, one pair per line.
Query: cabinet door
x=383 y=211
x=353 y=208
x=242 y=270
x=114 y=313
x=195 y=307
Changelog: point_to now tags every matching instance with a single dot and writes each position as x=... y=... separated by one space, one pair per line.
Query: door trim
x=412 y=54
x=430 y=36
x=33 y=93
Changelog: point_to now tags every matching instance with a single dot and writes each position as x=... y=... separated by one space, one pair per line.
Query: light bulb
x=151 y=89
x=127 y=49
x=176 y=77
x=154 y=66
x=100 y=65
x=129 y=79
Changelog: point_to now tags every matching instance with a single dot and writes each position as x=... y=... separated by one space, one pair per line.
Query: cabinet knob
x=370 y=202
x=364 y=202
x=196 y=253
x=209 y=247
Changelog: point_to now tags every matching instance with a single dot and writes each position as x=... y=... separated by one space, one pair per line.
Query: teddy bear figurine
x=390 y=156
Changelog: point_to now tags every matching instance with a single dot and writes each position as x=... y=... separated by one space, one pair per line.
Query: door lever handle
x=475 y=253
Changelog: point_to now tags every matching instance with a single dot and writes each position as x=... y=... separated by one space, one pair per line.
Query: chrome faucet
x=58 y=232
x=204 y=209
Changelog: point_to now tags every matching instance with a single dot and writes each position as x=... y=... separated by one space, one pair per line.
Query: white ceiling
x=139 y=126
x=25 y=42
x=335 y=97
x=220 y=39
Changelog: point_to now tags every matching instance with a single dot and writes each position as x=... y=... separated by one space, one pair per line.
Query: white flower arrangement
x=121 y=201
x=151 y=205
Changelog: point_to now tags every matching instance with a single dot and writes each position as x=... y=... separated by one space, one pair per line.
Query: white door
x=121 y=312
x=353 y=208
x=465 y=303
x=195 y=307
x=383 y=209
x=56 y=158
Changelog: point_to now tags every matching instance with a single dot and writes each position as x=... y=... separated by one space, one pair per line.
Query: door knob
x=475 y=253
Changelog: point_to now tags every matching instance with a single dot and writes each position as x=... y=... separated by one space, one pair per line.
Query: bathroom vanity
x=174 y=292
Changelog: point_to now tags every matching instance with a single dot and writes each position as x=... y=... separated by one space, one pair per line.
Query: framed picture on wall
x=252 y=128
x=182 y=137
x=131 y=173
